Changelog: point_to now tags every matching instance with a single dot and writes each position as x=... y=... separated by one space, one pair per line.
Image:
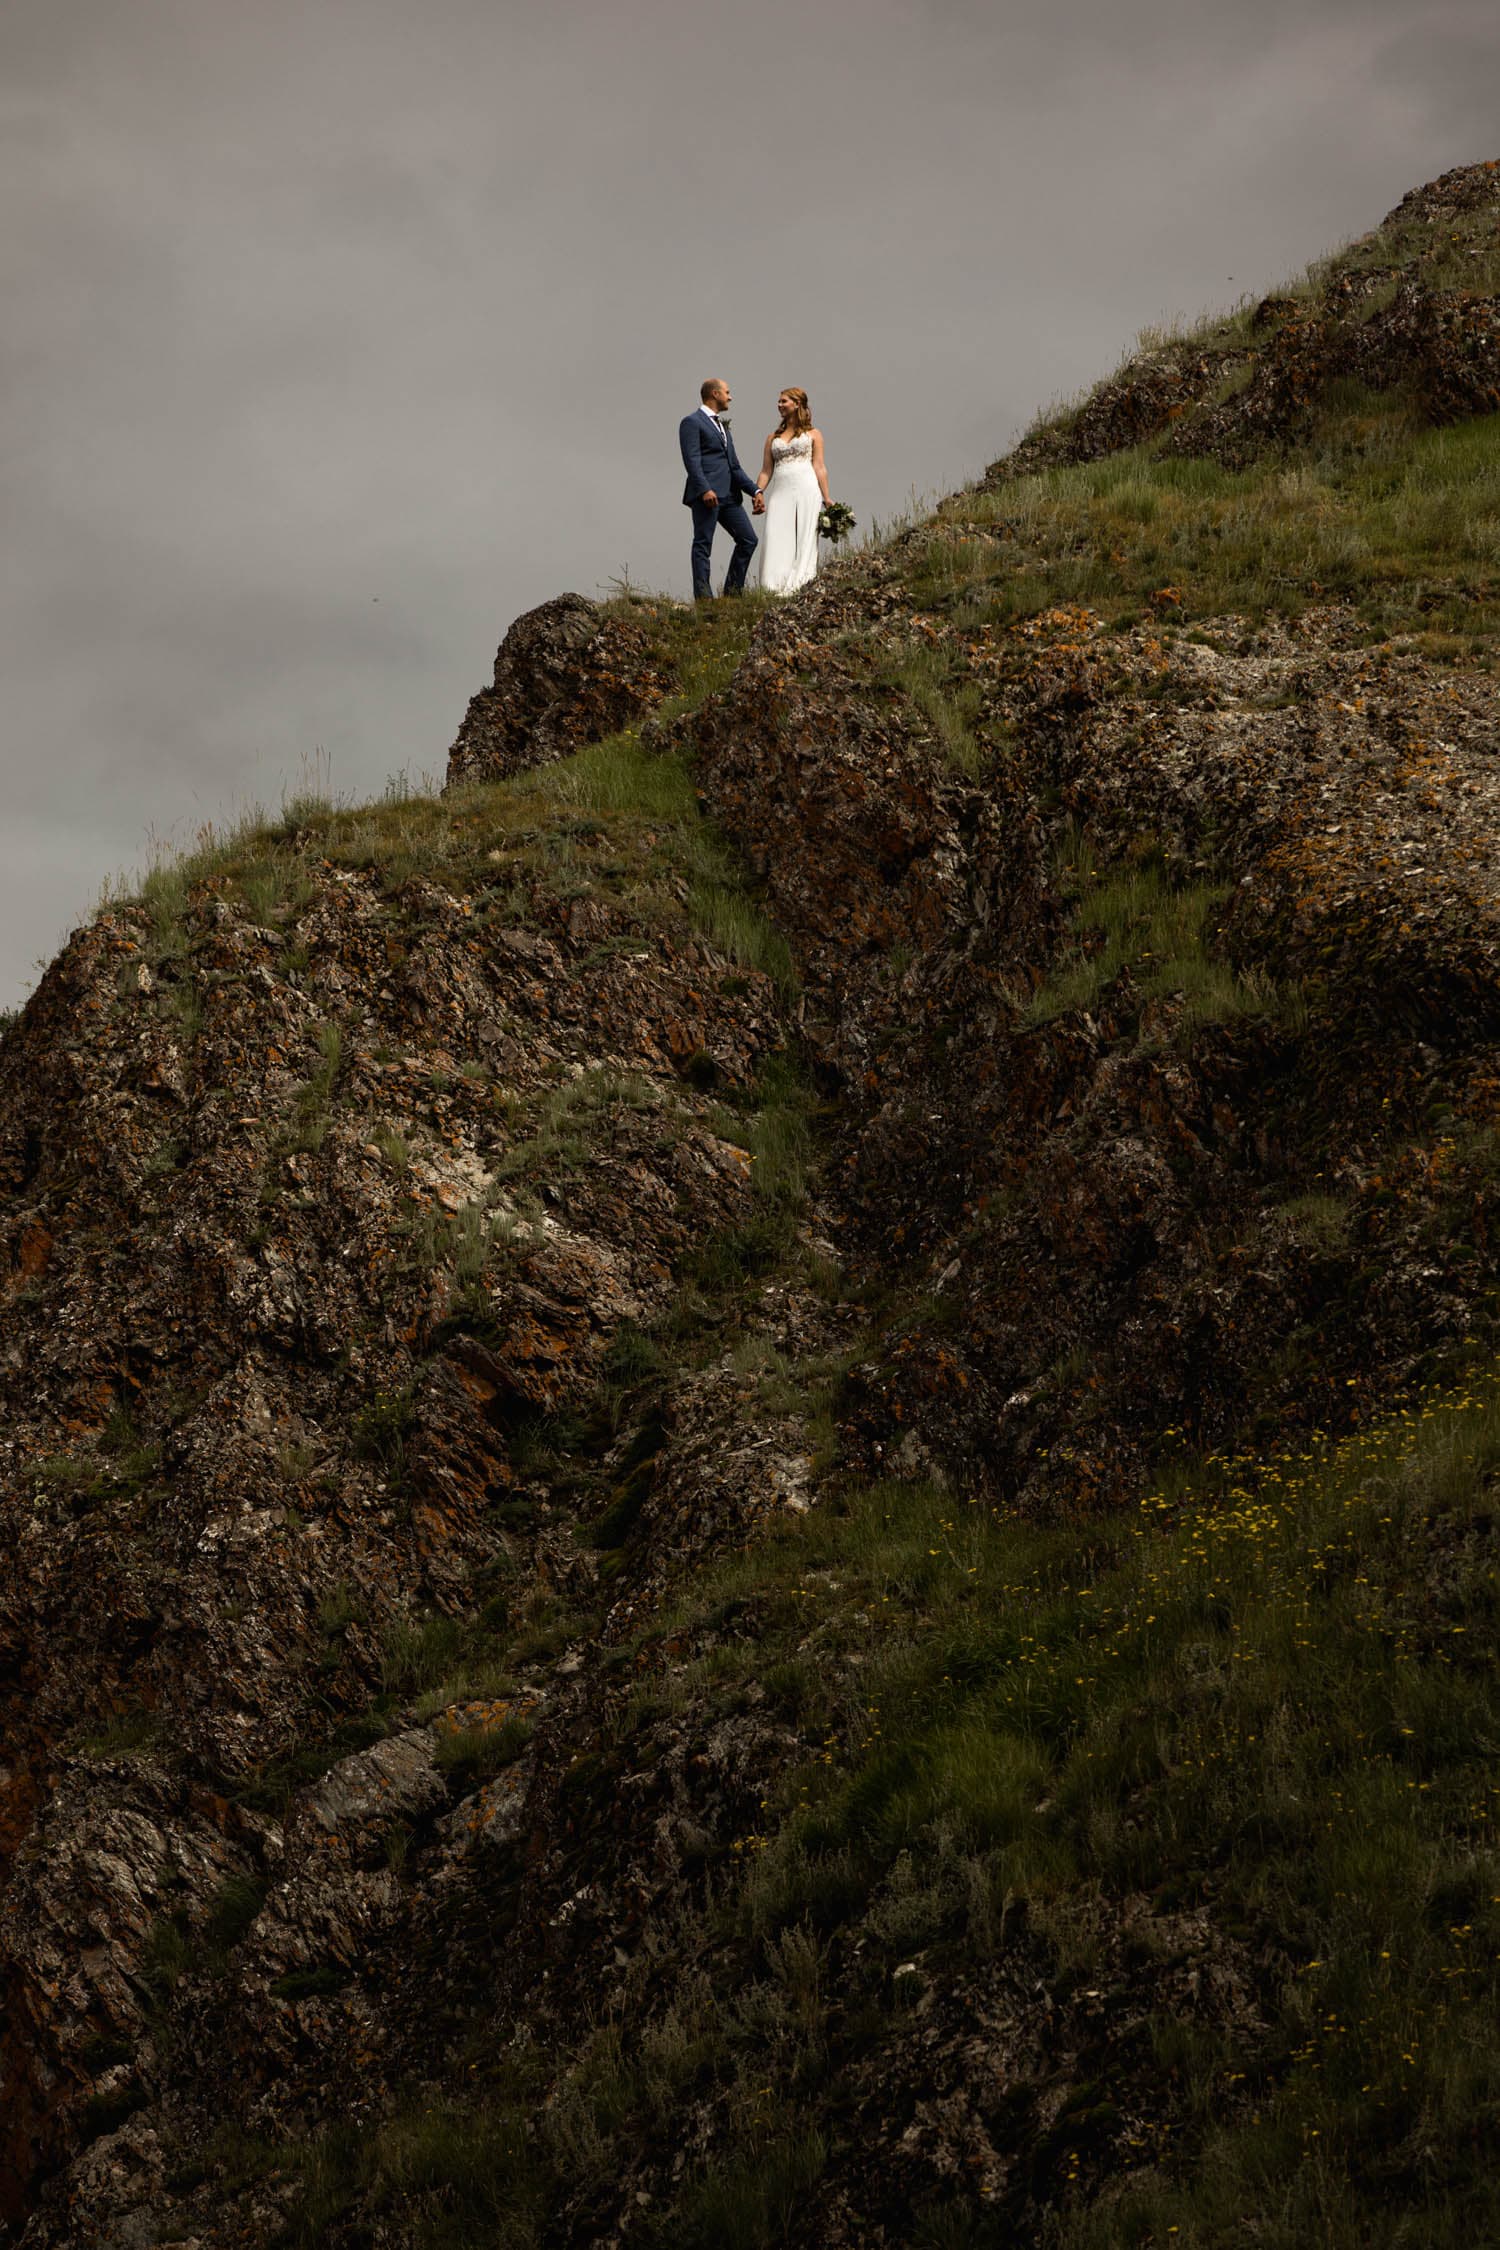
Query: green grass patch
x=474 y=1754
x=313 y=1100
x=701 y=644
x=1460 y=256
x=456 y=2176
x=1137 y=917
x=130 y=1734
x=737 y=926
x=274 y=887
x=237 y=1903
x=572 y=1120
x=929 y=676
x=380 y=1431
x=1400 y=521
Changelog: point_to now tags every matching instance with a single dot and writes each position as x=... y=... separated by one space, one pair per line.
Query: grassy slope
x=1400 y=521
x=1269 y=1694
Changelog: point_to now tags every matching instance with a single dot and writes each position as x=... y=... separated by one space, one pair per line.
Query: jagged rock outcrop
x=565 y=674
x=244 y=1435
x=1086 y=1195
x=870 y=845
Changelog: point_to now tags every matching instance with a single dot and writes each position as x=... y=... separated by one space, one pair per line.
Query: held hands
x=757 y=505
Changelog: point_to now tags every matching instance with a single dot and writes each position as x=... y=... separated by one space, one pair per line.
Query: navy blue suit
x=712 y=465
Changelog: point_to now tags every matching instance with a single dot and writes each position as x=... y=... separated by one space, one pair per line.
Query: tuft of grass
x=458 y=2175
x=167 y=1157
x=313 y=1100
x=166 y=1957
x=1319 y=1222
x=751 y=2201
x=473 y=1754
x=393 y=1146
x=567 y=1125
x=611 y=778
x=381 y=1432
x=1135 y=917
x=737 y=926
x=927 y=674
x=236 y=1904
x=275 y=885
x=417 y=1654
x=164 y=894
x=341 y=1607
x=130 y=1734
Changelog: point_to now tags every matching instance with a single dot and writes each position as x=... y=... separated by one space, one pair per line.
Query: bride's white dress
x=789 y=544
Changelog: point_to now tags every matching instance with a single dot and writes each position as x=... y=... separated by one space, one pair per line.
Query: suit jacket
x=711 y=462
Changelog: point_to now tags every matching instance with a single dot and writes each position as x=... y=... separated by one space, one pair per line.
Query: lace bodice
x=789 y=550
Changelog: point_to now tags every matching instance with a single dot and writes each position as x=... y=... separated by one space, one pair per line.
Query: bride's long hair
x=800 y=418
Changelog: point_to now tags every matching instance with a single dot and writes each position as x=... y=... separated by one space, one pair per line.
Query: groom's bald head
x=715 y=392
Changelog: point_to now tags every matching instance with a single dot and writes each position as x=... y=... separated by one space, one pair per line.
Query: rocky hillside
x=749 y=1480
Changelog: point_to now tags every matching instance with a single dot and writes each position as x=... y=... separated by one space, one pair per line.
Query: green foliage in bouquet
x=835 y=521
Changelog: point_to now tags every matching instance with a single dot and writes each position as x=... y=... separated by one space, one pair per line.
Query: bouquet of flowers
x=835 y=521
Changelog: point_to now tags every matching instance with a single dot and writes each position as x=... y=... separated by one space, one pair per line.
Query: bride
x=795 y=485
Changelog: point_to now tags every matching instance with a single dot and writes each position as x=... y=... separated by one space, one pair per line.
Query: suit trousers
x=735 y=518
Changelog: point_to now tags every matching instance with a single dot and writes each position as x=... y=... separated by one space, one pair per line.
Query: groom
x=714 y=482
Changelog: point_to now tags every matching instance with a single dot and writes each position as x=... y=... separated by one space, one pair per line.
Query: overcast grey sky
x=337 y=332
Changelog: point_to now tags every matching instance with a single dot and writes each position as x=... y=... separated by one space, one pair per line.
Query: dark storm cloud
x=335 y=336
